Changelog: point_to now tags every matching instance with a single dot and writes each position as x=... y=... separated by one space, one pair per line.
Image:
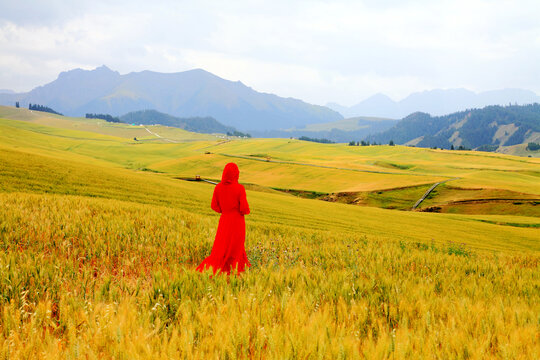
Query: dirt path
x=214 y=145
x=429 y=192
x=159 y=136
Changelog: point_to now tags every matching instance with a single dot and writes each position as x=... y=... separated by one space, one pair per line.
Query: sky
x=317 y=51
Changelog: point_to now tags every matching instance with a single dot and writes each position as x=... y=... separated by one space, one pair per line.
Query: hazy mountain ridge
x=339 y=131
x=491 y=126
x=185 y=94
x=207 y=125
x=435 y=102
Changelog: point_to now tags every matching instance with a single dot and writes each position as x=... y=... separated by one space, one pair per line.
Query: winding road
x=429 y=192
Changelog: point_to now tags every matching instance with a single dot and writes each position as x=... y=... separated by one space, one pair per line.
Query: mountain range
x=224 y=104
x=435 y=102
x=193 y=93
x=482 y=129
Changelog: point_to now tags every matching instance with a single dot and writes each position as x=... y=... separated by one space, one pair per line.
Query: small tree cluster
x=487 y=147
x=367 y=143
x=43 y=108
x=461 y=147
x=106 y=117
x=17 y=104
x=533 y=146
x=323 y=141
x=238 y=133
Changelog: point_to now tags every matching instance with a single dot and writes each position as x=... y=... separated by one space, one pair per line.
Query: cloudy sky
x=318 y=51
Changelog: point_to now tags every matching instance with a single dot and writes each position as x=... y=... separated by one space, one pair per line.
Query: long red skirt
x=228 y=252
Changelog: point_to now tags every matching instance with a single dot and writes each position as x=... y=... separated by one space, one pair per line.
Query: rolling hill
x=392 y=177
x=206 y=125
x=194 y=93
x=282 y=164
x=488 y=128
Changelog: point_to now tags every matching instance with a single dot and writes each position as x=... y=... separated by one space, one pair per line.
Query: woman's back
x=229 y=199
x=229 y=195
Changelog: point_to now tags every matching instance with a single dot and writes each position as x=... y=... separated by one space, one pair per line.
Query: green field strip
x=314 y=165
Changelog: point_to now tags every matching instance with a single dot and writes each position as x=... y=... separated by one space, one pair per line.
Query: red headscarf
x=230 y=174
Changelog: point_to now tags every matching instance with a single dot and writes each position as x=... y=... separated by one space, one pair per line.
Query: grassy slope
x=401 y=173
x=21 y=171
x=398 y=160
x=26 y=170
x=97 y=261
x=407 y=166
x=520 y=150
x=98 y=278
x=99 y=126
x=462 y=200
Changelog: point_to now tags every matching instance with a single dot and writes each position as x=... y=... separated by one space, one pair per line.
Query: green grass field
x=99 y=249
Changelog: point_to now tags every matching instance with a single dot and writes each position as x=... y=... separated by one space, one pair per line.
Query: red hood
x=230 y=174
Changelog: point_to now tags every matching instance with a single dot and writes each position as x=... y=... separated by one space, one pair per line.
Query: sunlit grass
x=103 y=278
x=97 y=260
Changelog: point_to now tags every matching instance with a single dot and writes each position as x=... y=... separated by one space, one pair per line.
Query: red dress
x=229 y=199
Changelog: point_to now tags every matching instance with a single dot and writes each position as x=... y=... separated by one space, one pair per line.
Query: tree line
x=105 y=117
x=367 y=143
x=238 y=133
x=322 y=141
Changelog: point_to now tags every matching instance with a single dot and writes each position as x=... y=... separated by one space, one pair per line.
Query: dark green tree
x=323 y=140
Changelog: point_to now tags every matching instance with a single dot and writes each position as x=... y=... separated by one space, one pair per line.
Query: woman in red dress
x=230 y=201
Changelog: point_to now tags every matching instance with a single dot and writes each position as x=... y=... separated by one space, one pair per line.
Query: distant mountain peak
x=380 y=96
x=101 y=70
x=67 y=73
x=436 y=102
x=192 y=93
x=104 y=68
x=200 y=70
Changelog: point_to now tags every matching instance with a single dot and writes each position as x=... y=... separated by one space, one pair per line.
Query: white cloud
x=319 y=51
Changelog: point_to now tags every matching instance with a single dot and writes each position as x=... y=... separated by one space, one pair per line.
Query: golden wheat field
x=99 y=240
